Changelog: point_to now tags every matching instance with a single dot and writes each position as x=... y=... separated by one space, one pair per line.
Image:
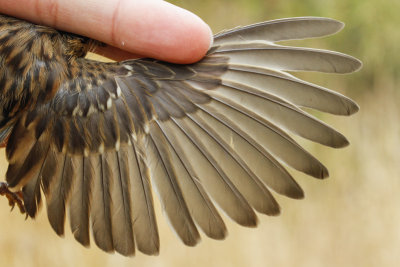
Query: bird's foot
x=14 y=198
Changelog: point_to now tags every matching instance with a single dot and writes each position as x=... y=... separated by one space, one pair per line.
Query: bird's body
x=97 y=137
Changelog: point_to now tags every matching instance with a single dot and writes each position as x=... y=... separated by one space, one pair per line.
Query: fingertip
x=193 y=41
x=164 y=31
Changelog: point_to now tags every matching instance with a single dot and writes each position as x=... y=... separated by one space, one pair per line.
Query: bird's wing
x=214 y=133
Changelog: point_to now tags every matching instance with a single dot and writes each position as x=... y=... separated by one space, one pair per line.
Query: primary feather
x=100 y=138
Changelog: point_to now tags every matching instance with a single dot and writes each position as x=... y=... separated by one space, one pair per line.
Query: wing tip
x=356 y=64
x=249 y=221
x=297 y=193
x=324 y=173
x=216 y=233
x=352 y=64
x=126 y=252
x=337 y=25
x=149 y=248
x=321 y=173
x=155 y=251
x=333 y=26
x=275 y=211
x=341 y=142
x=352 y=108
x=191 y=241
x=85 y=242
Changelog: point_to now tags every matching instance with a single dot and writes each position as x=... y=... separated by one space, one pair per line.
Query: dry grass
x=351 y=219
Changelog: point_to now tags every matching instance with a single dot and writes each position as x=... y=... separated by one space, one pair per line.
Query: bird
x=100 y=140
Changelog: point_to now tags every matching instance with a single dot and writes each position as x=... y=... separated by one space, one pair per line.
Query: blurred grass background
x=351 y=219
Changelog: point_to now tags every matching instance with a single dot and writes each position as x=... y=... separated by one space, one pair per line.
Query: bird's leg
x=14 y=198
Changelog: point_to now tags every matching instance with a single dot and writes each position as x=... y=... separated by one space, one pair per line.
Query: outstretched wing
x=214 y=133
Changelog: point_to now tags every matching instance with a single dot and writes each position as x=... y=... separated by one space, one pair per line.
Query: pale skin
x=130 y=28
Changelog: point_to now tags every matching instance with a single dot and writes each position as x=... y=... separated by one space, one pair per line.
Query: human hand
x=130 y=29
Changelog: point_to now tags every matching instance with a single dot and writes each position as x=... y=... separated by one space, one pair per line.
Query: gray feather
x=288 y=58
x=272 y=109
x=144 y=220
x=60 y=192
x=199 y=204
x=166 y=185
x=235 y=168
x=281 y=30
x=212 y=177
x=79 y=206
x=262 y=163
x=121 y=215
x=101 y=204
x=292 y=89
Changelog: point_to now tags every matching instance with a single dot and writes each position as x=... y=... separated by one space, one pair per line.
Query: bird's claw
x=14 y=198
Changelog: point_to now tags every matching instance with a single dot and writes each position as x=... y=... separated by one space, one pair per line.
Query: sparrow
x=99 y=139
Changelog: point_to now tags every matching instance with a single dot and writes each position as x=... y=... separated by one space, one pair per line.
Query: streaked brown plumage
x=97 y=138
